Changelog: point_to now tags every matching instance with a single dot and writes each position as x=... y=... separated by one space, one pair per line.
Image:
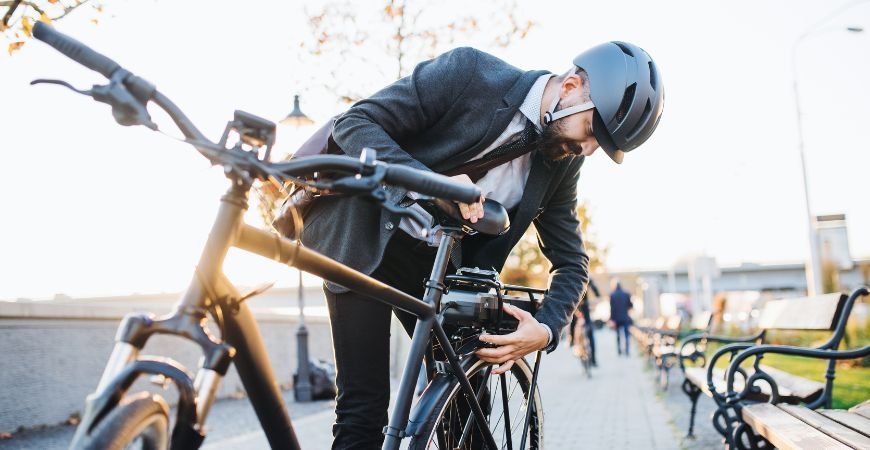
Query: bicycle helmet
x=627 y=94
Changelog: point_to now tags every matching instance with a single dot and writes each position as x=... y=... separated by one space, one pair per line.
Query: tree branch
x=12 y=6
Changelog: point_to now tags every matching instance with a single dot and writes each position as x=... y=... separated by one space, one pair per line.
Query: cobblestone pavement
x=227 y=420
x=679 y=405
x=617 y=408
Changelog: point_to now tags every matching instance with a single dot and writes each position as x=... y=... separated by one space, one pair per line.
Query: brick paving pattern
x=618 y=408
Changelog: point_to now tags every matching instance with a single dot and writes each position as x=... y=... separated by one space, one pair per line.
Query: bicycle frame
x=211 y=292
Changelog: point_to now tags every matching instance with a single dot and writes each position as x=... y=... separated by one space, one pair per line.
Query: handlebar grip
x=430 y=183
x=75 y=50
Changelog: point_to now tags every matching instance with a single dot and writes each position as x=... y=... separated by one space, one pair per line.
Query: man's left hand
x=530 y=336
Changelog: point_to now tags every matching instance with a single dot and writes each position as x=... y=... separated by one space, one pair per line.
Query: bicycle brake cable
x=89 y=92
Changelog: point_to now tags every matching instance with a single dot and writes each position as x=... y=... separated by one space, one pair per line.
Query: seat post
x=435 y=284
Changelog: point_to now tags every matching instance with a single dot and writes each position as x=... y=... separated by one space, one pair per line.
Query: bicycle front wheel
x=505 y=402
x=140 y=421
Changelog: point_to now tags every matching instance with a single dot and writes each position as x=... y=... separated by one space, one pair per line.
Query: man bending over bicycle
x=454 y=108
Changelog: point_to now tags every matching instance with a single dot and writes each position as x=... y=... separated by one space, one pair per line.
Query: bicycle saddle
x=495 y=219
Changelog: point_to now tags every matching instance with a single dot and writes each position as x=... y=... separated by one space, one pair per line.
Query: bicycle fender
x=437 y=388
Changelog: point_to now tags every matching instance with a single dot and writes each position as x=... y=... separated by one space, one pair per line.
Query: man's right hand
x=471 y=212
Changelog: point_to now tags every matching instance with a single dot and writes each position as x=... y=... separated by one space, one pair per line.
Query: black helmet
x=628 y=95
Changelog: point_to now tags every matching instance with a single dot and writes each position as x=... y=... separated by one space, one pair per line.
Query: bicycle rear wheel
x=505 y=401
x=140 y=421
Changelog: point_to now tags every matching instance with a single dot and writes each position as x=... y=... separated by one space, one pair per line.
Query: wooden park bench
x=665 y=352
x=820 y=313
x=785 y=426
x=648 y=336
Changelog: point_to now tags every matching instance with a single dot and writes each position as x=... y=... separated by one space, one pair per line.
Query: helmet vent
x=644 y=118
x=652 y=76
x=624 y=48
x=627 y=98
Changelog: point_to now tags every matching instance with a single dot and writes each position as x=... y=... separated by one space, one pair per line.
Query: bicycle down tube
x=294 y=254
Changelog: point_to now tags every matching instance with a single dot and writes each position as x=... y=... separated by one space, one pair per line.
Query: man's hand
x=470 y=212
x=529 y=337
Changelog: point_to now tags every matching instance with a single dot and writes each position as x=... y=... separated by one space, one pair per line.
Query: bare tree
x=18 y=17
x=386 y=42
x=526 y=265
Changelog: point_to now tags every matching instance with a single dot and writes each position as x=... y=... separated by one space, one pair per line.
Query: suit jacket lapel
x=500 y=119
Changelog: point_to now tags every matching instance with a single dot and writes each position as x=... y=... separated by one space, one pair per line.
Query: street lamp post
x=814 y=266
x=296 y=118
x=302 y=383
x=302 y=386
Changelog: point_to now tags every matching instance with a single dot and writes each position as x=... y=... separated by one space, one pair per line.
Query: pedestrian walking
x=620 y=304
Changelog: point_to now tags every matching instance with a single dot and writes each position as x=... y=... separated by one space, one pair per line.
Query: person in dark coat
x=454 y=108
x=620 y=304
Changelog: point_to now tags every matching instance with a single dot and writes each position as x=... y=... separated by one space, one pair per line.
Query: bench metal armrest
x=704 y=338
x=759 y=350
x=731 y=350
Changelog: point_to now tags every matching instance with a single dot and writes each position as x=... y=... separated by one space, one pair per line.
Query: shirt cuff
x=549 y=334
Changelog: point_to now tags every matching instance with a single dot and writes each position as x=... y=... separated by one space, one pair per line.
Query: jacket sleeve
x=559 y=238
x=406 y=107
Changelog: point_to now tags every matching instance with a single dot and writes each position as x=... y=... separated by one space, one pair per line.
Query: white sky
x=92 y=208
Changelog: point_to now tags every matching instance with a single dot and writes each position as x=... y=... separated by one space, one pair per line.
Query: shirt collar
x=531 y=106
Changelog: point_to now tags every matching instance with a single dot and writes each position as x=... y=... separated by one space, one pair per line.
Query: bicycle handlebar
x=427 y=183
x=75 y=50
x=431 y=183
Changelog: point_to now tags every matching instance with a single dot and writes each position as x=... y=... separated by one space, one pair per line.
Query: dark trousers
x=590 y=335
x=589 y=329
x=622 y=329
x=361 y=340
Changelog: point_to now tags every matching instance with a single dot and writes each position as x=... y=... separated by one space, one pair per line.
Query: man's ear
x=571 y=83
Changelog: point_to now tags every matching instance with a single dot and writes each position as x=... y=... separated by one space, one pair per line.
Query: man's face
x=569 y=136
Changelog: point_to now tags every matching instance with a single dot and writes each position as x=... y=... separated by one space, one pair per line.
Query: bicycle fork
x=125 y=365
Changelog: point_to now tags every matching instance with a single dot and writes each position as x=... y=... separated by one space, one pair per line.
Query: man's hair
x=587 y=96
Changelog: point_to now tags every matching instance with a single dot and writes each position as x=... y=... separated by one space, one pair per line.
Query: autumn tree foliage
x=18 y=17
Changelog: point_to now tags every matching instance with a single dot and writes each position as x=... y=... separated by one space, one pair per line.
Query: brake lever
x=419 y=218
x=126 y=108
x=89 y=92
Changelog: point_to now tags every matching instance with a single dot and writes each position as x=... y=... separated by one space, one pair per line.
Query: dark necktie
x=477 y=168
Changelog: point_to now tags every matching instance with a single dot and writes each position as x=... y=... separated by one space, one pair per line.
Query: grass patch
x=851 y=384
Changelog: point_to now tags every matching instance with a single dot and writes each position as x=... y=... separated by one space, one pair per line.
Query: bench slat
x=785 y=431
x=795 y=387
x=813 y=313
x=828 y=426
x=791 y=387
x=698 y=377
x=862 y=409
x=854 y=421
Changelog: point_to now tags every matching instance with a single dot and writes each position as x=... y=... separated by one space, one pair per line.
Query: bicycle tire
x=443 y=428
x=143 y=415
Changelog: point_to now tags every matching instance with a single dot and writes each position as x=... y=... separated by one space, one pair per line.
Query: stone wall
x=53 y=356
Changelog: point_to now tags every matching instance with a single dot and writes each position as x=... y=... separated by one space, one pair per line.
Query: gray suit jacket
x=449 y=110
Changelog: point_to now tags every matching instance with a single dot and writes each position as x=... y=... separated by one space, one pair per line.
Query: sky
x=93 y=208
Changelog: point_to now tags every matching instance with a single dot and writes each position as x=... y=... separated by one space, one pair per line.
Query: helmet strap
x=552 y=115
